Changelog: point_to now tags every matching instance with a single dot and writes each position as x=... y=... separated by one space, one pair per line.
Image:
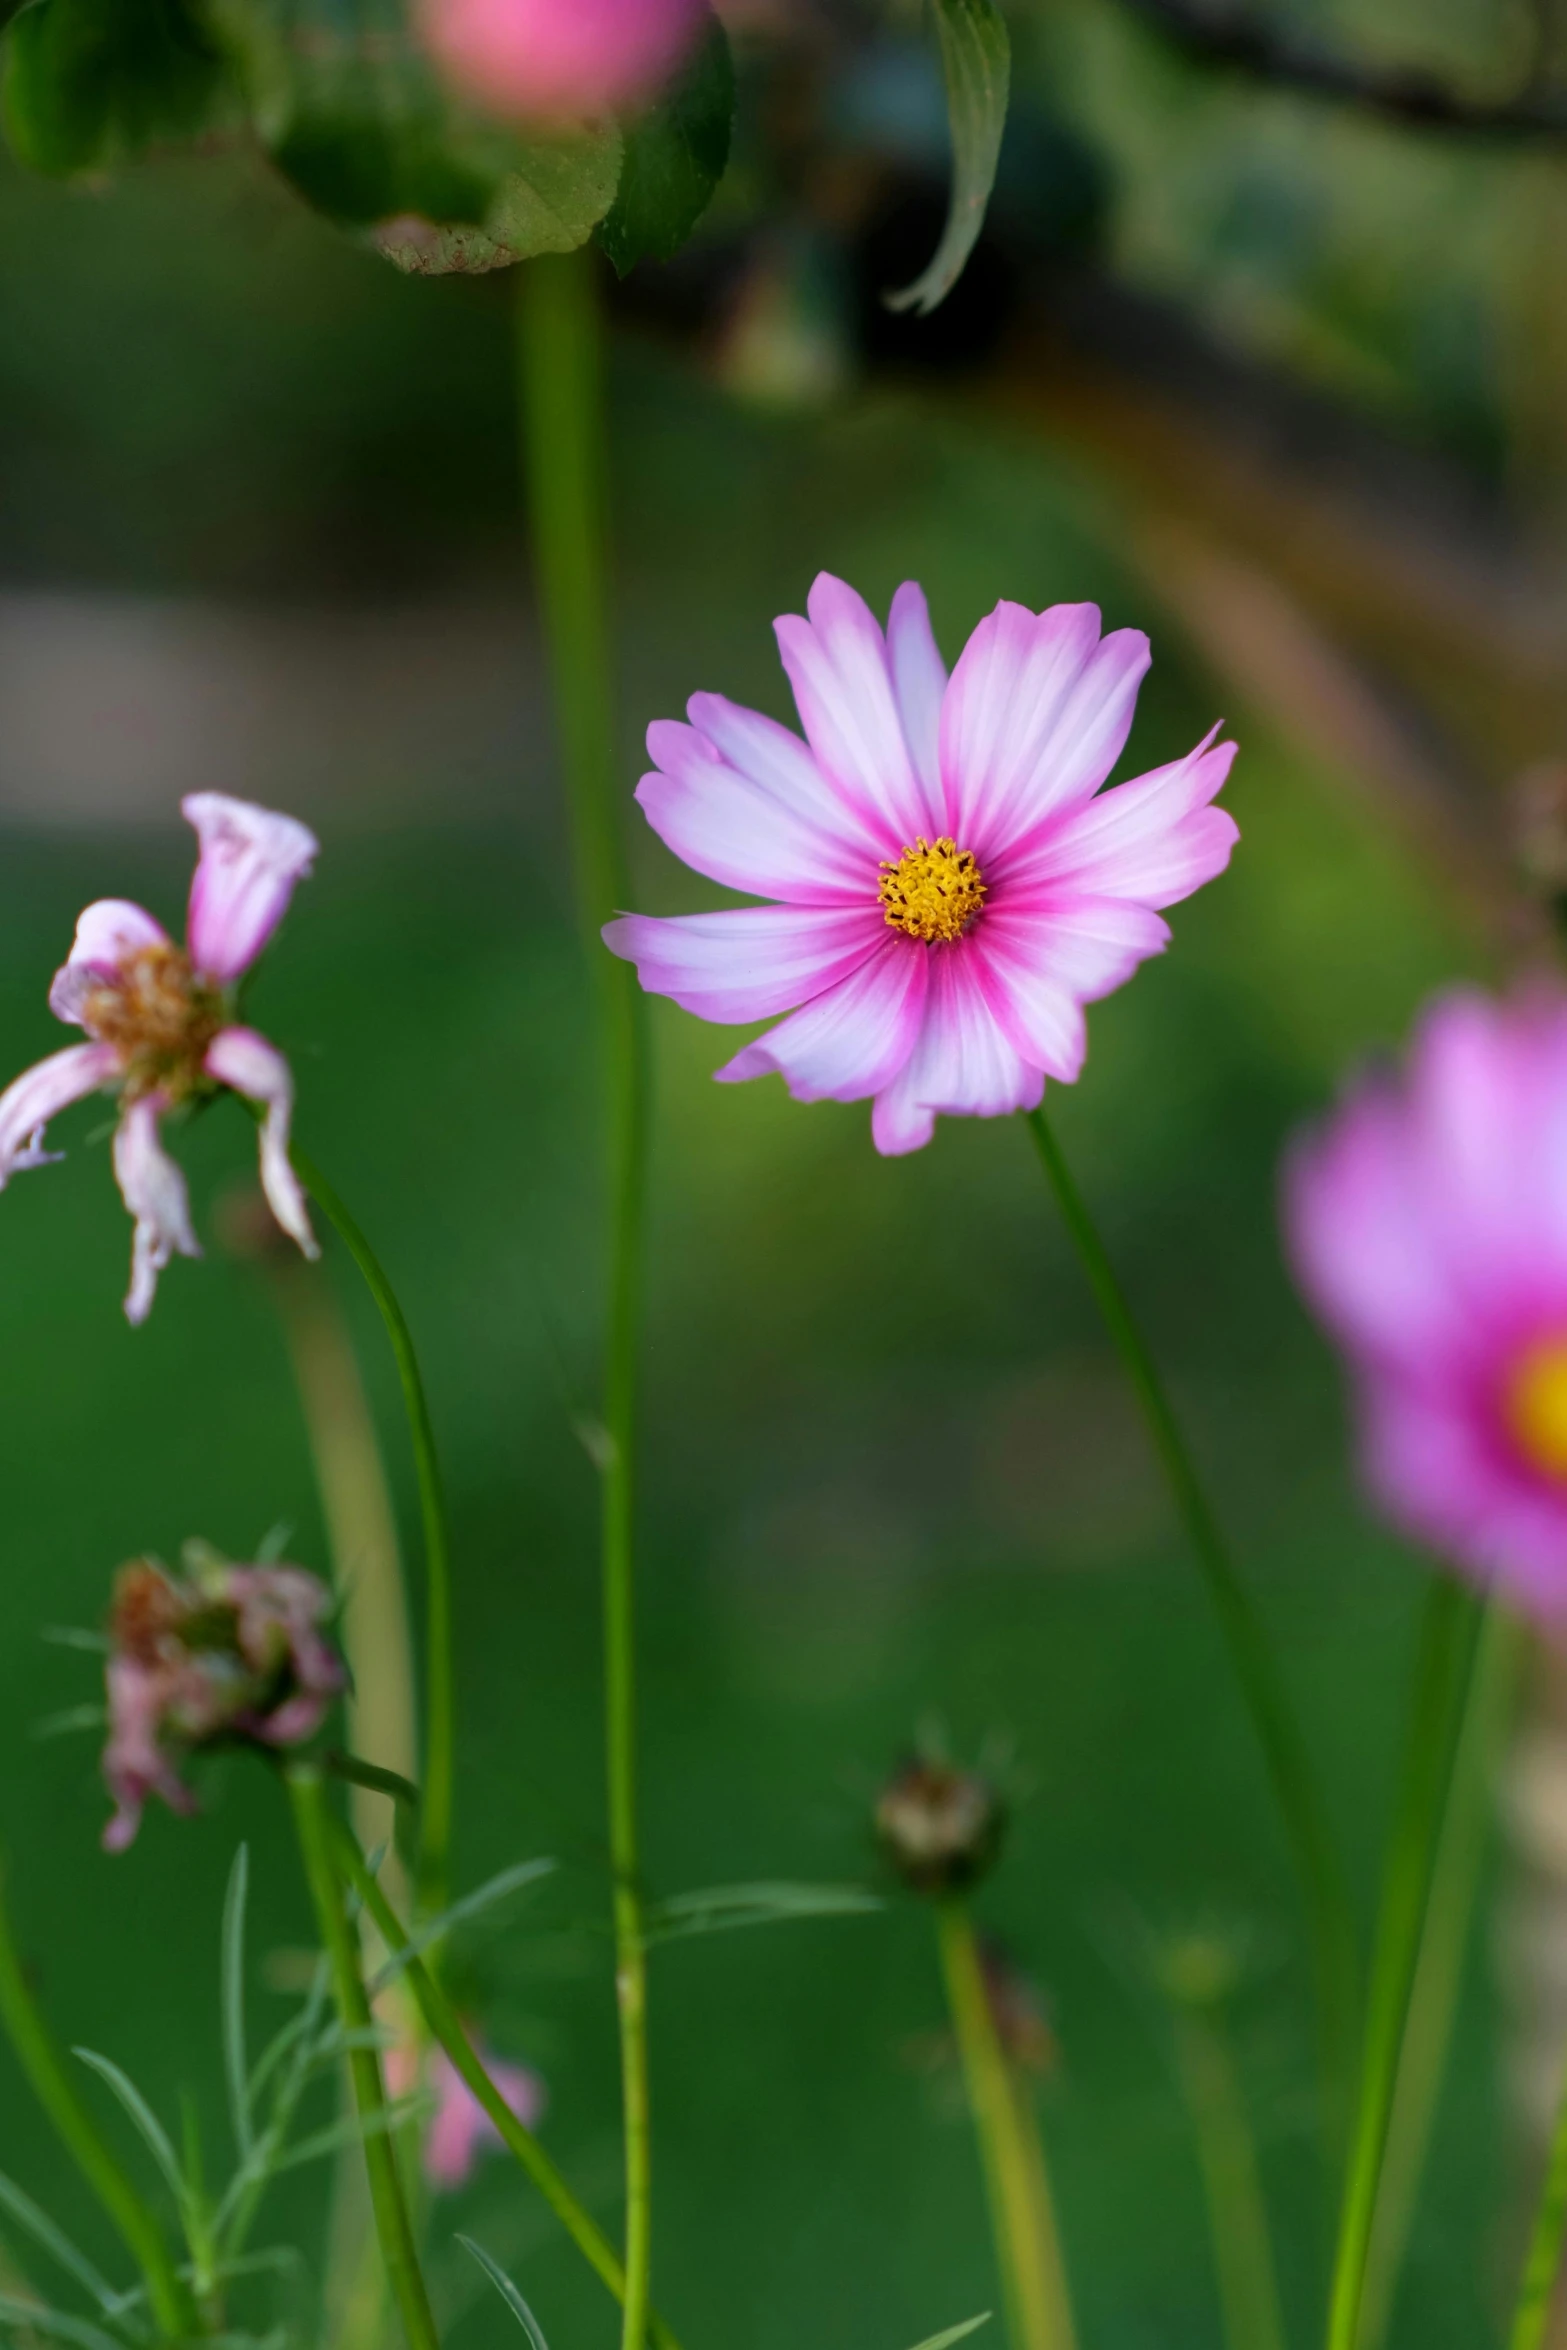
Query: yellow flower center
x=1536 y=1406
x=159 y=1017
x=933 y=891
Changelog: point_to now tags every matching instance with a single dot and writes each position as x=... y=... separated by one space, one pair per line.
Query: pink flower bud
x=557 y=60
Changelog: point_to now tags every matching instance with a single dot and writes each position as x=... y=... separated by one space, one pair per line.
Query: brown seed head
x=940 y=1827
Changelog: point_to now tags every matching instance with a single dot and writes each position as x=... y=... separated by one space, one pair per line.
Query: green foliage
x=507 y=2291
x=92 y=83
x=721 y=1908
x=976 y=59
x=675 y=157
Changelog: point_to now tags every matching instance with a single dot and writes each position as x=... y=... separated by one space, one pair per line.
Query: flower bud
x=940 y=1827
x=218 y=1655
x=558 y=60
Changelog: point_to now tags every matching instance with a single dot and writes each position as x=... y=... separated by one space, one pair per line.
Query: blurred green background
x=891 y=1471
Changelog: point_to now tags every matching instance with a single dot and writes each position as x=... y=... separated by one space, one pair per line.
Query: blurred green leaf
x=92 y=83
x=33 y=2317
x=507 y=2291
x=976 y=58
x=675 y=157
x=954 y=2333
x=721 y=1908
x=352 y=113
x=56 y=2243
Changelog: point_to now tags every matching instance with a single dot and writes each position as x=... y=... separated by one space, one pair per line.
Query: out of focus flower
x=460 y=2129
x=221 y=1653
x=1427 y=1220
x=940 y=1827
x=949 y=890
x=560 y=59
x=163 y=1033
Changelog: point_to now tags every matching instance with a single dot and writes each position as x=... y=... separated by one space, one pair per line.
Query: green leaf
x=235 y=2062
x=507 y=2291
x=351 y=111
x=526 y=1872
x=147 y=2123
x=976 y=60
x=93 y=83
x=721 y=1908
x=71 y=1718
x=56 y=2243
x=353 y=2131
x=675 y=158
x=954 y=2333
x=34 y=2317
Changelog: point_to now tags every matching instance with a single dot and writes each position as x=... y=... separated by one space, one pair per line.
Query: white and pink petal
x=243 y=1060
x=837 y=664
x=31 y=1100
x=850 y=1041
x=251 y=859
x=153 y=1189
x=963 y=1064
x=108 y=933
x=737 y=832
x=748 y=962
x=1155 y=839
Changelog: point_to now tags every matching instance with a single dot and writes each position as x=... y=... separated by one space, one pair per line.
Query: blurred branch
x=1404 y=94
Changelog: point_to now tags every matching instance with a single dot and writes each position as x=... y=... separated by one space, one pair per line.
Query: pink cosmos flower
x=160 y=1020
x=222 y=1653
x=460 y=2129
x=949 y=891
x=1427 y=1221
x=560 y=59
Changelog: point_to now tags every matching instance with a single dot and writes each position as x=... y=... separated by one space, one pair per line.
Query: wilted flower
x=460 y=2129
x=949 y=891
x=161 y=1021
x=1427 y=1220
x=536 y=58
x=220 y=1653
x=940 y=1827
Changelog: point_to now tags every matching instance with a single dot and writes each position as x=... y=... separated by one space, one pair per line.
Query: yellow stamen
x=933 y=891
x=1536 y=1406
x=160 y=1017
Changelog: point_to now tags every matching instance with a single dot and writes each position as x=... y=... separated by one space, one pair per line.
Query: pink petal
x=1044 y=962
x=837 y=664
x=919 y=681
x=1154 y=840
x=250 y=861
x=153 y=1189
x=1430 y=1464
x=1035 y=717
x=461 y=2126
x=108 y=933
x=963 y=1062
x=852 y=1040
x=738 y=832
x=31 y=1100
x=240 y=1058
x=778 y=763
x=748 y=963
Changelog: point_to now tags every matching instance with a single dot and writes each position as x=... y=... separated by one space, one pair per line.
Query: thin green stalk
x=445 y=2027
x=1022 y=2215
x=1442 y=1669
x=561 y=377
x=1543 y=2260
x=439 y=1707
x=43 y=2063
x=1227 y=2155
x=1333 y=1937
x=1433 y=2001
x=313 y=1821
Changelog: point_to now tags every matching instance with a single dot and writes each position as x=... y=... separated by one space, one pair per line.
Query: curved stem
x=1442 y=1670
x=561 y=366
x=436 y=1818
x=1232 y=2185
x=312 y=1820
x=1542 y=2262
x=445 y=2027
x=1334 y=1943
x=57 y=2093
x=1022 y=2216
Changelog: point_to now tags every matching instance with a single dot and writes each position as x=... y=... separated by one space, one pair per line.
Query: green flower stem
x=1334 y=1942
x=445 y=2028
x=1543 y=2260
x=313 y=1821
x=1433 y=2000
x=43 y=2063
x=1227 y=2155
x=1022 y=2216
x=1442 y=1671
x=561 y=371
x=436 y=1813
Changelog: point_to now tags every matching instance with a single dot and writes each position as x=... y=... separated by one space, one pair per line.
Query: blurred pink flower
x=160 y=1020
x=949 y=890
x=460 y=2129
x=560 y=59
x=222 y=1653
x=1427 y=1221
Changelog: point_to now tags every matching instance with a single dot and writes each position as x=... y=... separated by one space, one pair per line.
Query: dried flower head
x=940 y=1827
x=221 y=1653
x=162 y=1031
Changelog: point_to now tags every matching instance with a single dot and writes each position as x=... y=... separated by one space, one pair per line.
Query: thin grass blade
x=142 y=2116
x=953 y=2334
x=38 y=2318
x=236 y=2065
x=56 y=2243
x=507 y=2291
x=720 y=1909
x=472 y=1905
